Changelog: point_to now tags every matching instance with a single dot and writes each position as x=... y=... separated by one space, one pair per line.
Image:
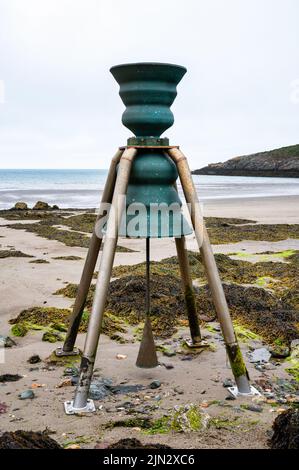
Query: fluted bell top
x=148 y=89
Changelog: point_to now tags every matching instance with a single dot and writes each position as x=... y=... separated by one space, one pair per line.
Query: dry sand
x=25 y=285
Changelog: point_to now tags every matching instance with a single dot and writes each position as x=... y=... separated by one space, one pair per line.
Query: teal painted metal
x=148 y=90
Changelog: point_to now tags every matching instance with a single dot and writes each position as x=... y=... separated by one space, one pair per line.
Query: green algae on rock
x=19 y=329
x=52 y=336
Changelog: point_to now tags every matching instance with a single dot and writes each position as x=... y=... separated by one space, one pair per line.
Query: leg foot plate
x=60 y=352
x=235 y=392
x=70 y=410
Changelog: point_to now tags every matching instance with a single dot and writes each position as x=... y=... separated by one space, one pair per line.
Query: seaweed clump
x=13 y=254
x=286 y=430
x=55 y=320
x=27 y=440
x=254 y=308
x=132 y=443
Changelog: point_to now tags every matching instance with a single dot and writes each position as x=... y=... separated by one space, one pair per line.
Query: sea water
x=83 y=188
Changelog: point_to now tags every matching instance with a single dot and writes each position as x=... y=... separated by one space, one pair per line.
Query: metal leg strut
x=89 y=267
x=232 y=347
x=81 y=403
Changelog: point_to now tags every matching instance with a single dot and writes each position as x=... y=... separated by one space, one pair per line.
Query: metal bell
x=153 y=205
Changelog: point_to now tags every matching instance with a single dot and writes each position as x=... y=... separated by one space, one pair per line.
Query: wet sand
x=25 y=285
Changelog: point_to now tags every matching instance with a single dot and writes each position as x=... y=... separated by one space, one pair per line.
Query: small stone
x=73 y=446
x=65 y=383
x=169 y=353
x=167 y=366
x=179 y=390
x=34 y=359
x=279 y=352
x=227 y=383
x=203 y=392
x=294 y=343
x=121 y=356
x=10 y=378
x=260 y=355
x=36 y=385
x=255 y=408
x=73 y=371
x=6 y=342
x=158 y=398
x=3 y=408
x=230 y=398
x=27 y=394
x=204 y=404
x=155 y=384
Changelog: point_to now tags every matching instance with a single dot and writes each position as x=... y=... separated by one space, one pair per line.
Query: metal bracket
x=199 y=345
x=60 y=352
x=71 y=410
x=234 y=391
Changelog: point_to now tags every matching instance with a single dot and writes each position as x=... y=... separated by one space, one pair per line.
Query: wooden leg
x=89 y=266
x=81 y=402
x=233 y=349
x=188 y=290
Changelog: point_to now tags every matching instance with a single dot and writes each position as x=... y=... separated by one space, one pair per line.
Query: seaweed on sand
x=67 y=237
x=50 y=229
x=56 y=319
x=227 y=233
x=255 y=308
x=280 y=277
x=13 y=254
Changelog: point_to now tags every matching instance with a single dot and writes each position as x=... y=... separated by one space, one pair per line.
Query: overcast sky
x=59 y=104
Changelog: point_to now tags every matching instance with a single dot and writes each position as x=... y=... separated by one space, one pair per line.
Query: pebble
x=179 y=390
x=255 y=408
x=121 y=356
x=74 y=371
x=169 y=353
x=27 y=394
x=260 y=355
x=279 y=353
x=34 y=359
x=155 y=384
x=227 y=383
x=167 y=366
x=6 y=342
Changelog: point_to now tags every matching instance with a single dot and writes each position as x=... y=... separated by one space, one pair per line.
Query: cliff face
x=283 y=162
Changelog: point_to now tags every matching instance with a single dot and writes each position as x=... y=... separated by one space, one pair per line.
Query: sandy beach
x=242 y=423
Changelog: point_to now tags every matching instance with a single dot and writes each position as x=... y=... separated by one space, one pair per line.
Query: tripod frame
x=116 y=188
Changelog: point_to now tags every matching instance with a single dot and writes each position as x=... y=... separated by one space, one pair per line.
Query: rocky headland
x=282 y=162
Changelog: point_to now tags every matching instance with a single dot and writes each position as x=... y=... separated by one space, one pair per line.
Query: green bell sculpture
x=144 y=173
x=148 y=90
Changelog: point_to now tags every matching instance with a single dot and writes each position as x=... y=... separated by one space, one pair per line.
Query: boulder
x=20 y=206
x=41 y=206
